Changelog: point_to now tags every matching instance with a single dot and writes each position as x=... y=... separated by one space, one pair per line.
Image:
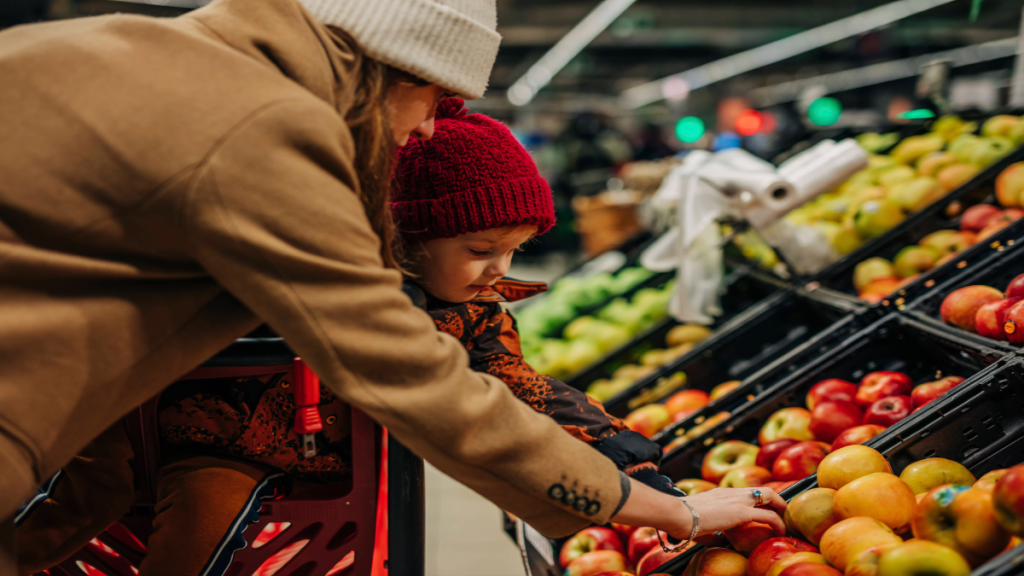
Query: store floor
x=464 y=534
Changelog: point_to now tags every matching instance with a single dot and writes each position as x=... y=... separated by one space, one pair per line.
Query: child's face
x=457 y=269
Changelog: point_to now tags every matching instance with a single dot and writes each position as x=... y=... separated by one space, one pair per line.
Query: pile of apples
x=653 y=418
x=876 y=278
x=934 y=518
x=679 y=340
x=918 y=171
x=988 y=312
x=794 y=441
x=587 y=339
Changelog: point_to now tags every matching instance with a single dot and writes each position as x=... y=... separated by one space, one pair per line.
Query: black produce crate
x=894 y=343
x=743 y=290
x=750 y=341
x=1004 y=262
x=979 y=424
x=941 y=215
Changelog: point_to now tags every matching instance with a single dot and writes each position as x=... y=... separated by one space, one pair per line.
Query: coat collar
x=281 y=34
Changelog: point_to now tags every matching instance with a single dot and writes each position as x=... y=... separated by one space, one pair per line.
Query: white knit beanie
x=452 y=43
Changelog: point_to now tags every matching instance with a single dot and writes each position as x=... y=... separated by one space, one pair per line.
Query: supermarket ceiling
x=656 y=38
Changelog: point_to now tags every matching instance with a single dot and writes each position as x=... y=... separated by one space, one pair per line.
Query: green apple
x=922 y=557
x=916 y=194
x=962 y=145
x=870 y=270
x=990 y=150
x=894 y=175
x=914 y=260
x=847 y=239
x=876 y=217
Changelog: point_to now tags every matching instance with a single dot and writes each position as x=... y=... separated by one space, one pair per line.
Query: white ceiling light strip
x=883 y=72
x=679 y=85
x=538 y=76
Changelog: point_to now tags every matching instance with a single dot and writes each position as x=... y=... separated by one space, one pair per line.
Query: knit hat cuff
x=421 y=37
x=525 y=201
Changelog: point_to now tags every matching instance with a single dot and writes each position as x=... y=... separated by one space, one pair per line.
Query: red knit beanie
x=473 y=175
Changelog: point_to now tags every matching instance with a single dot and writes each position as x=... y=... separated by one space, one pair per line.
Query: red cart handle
x=306 y=388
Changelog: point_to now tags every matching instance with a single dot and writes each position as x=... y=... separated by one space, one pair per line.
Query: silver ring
x=758 y=497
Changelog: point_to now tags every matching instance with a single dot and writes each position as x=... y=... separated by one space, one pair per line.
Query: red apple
x=648 y=420
x=991 y=228
x=962 y=518
x=1004 y=217
x=655 y=559
x=623 y=531
x=642 y=541
x=594 y=563
x=779 y=486
x=961 y=306
x=770 y=451
x=786 y=423
x=1008 y=500
x=810 y=569
x=745 y=537
x=1014 y=324
x=829 y=391
x=682 y=404
x=975 y=217
x=1015 y=289
x=799 y=461
x=878 y=385
x=588 y=540
x=930 y=391
x=857 y=435
x=716 y=562
x=746 y=477
x=616 y=573
x=989 y=320
x=726 y=456
x=888 y=411
x=771 y=551
x=830 y=419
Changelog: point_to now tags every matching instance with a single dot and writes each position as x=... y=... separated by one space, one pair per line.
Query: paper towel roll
x=809 y=155
x=828 y=169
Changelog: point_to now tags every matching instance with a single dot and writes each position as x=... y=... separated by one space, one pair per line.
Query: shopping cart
x=370 y=526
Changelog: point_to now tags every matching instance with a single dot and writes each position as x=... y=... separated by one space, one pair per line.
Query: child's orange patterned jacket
x=252 y=417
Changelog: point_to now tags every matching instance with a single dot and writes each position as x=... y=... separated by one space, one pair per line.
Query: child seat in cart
x=305 y=529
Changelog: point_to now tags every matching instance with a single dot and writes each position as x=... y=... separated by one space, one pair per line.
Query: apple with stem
x=786 y=423
x=726 y=456
x=588 y=540
x=961 y=518
x=888 y=411
x=878 y=385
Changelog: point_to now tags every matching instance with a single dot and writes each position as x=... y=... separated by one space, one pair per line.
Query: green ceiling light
x=824 y=111
x=919 y=114
x=689 y=129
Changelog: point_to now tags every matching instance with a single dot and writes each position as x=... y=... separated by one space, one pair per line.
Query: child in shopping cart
x=464 y=201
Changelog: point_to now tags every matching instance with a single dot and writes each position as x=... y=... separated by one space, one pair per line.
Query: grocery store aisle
x=464 y=534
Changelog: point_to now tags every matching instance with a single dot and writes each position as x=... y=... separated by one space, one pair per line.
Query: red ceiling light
x=749 y=122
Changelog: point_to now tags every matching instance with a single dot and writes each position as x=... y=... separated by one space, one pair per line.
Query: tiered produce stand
x=780 y=335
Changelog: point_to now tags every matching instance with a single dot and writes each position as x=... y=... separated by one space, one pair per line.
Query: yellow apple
x=926 y=474
x=849 y=463
x=848 y=538
x=881 y=496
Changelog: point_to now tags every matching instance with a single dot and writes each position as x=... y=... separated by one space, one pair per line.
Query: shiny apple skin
x=961 y=518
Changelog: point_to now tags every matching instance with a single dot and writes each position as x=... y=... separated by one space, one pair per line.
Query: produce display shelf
x=743 y=289
x=943 y=214
x=657 y=280
x=1004 y=262
x=750 y=341
x=979 y=424
x=894 y=343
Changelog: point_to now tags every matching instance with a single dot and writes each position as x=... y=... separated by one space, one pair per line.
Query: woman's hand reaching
x=725 y=508
x=719 y=509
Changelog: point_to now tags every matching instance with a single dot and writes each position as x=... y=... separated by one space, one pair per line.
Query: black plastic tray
x=941 y=215
x=750 y=341
x=979 y=424
x=1004 y=261
x=893 y=343
x=744 y=289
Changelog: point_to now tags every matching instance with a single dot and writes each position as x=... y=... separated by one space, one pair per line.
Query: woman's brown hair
x=367 y=119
